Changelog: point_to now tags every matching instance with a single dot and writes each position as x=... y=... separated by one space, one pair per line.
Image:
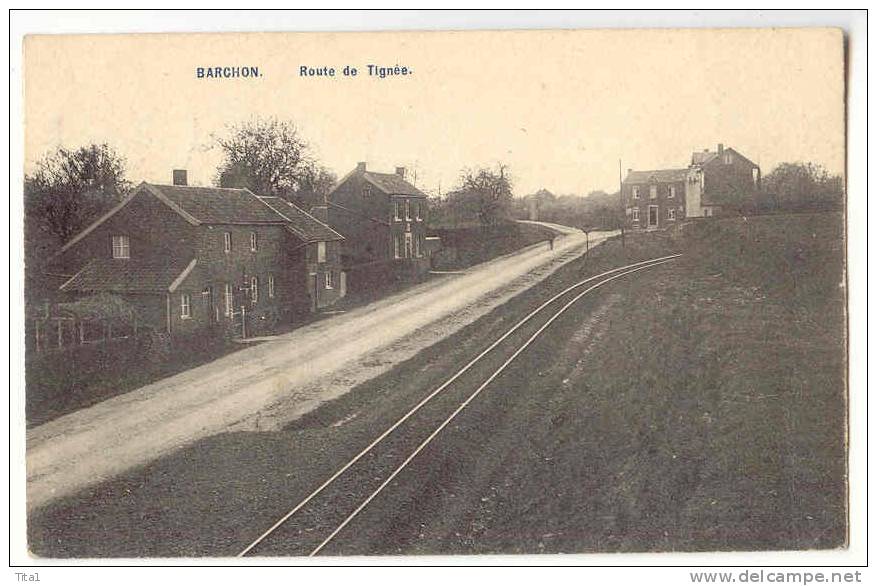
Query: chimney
x=321 y=213
x=400 y=171
x=180 y=177
x=360 y=166
x=721 y=148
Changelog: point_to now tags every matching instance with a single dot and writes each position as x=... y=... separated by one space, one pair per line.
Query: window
x=366 y=190
x=271 y=285
x=397 y=210
x=707 y=211
x=417 y=247
x=185 y=306
x=671 y=192
x=254 y=242
x=330 y=282
x=653 y=192
x=635 y=191
x=121 y=247
x=409 y=248
x=227 y=241
x=635 y=214
x=396 y=246
x=671 y=214
x=229 y=300
x=729 y=158
x=417 y=215
x=321 y=252
x=407 y=210
x=254 y=289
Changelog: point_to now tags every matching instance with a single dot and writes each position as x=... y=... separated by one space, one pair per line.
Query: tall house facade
x=715 y=183
x=383 y=219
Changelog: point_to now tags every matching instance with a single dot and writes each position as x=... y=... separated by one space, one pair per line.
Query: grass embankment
x=464 y=247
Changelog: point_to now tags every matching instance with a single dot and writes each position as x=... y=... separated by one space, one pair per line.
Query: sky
x=559 y=108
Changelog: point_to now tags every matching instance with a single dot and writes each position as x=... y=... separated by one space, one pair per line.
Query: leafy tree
x=802 y=186
x=316 y=183
x=484 y=195
x=269 y=157
x=69 y=188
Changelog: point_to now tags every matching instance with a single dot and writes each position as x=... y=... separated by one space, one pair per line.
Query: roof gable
x=657 y=176
x=392 y=184
x=305 y=226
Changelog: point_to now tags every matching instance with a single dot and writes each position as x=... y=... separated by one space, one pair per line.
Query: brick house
x=189 y=257
x=715 y=183
x=383 y=219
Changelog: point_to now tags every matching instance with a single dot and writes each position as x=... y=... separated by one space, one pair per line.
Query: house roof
x=128 y=276
x=218 y=205
x=701 y=157
x=392 y=184
x=305 y=226
x=656 y=176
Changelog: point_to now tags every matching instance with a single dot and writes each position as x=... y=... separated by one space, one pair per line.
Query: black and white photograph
x=293 y=294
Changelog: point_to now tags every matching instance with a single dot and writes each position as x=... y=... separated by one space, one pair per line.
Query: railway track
x=317 y=522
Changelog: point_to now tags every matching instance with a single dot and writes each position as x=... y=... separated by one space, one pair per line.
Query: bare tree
x=69 y=188
x=483 y=194
x=268 y=157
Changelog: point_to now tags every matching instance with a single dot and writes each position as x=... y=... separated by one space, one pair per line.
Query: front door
x=653 y=216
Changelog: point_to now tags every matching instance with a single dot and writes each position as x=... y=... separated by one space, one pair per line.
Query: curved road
x=266 y=385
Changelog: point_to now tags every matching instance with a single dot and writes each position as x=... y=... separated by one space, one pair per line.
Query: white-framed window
x=397 y=210
x=671 y=214
x=321 y=252
x=635 y=214
x=418 y=250
x=653 y=192
x=254 y=241
x=409 y=247
x=635 y=191
x=330 y=280
x=185 y=306
x=729 y=158
x=271 y=285
x=707 y=211
x=226 y=240
x=367 y=190
x=121 y=247
x=229 y=300
x=254 y=289
x=407 y=210
x=396 y=247
x=417 y=211
x=671 y=192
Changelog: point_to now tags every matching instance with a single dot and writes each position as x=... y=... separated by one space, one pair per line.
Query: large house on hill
x=383 y=219
x=715 y=183
x=188 y=257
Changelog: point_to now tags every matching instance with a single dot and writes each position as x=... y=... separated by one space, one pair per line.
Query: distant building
x=383 y=219
x=188 y=257
x=715 y=183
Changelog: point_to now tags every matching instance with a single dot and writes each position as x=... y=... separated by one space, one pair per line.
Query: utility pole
x=621 y=202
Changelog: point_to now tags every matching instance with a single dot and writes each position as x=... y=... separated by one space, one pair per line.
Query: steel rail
x=439 y=389
x=468 y=400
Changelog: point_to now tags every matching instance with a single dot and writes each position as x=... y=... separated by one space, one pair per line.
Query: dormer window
x=121 y=247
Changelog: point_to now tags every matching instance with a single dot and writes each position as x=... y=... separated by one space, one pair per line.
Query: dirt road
x=264 y=386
